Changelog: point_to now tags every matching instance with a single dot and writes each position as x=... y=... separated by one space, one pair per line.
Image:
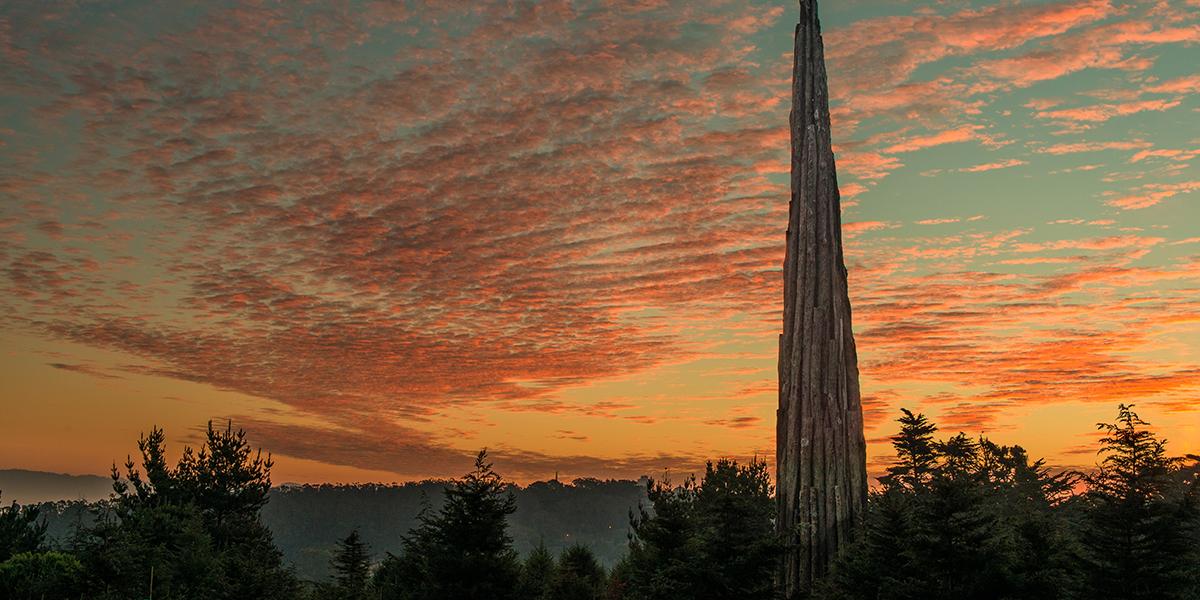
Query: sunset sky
x=382 y=235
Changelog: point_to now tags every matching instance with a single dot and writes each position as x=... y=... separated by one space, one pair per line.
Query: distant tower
x=820 y=450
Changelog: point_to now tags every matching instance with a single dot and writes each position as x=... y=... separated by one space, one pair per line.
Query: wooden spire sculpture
x=820 y=450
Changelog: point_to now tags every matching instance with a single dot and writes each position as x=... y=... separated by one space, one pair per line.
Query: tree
x=537 y=574
x=463 y=550
x=736 y=513
x=664 y=546
x=38 y=575
x=1139 y=524
x=578 y=576
x=351 y=565
x=959 y=518
x=714 y=539
x=21 y=530
x=916 y=453
x=164 y=549
x=196 y=525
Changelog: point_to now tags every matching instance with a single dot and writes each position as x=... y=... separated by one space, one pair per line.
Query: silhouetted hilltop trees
x=195 y=525
x=307 y=521
x=351 y=568
x=956 y=517
x=1139 y=517
x=461 y=551
x=713 y=539
x=21 y=530
x=964 y=518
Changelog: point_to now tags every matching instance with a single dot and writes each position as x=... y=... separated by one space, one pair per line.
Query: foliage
x=188 y=531
x=713 y=539
x=537 y=574
x=164 y=548
x=959 y=518
x=578 y=576
x=21 y=530
x=1141 y=517
x=37 y=575
x=461 y=551
x=352 y=567
x=916 y=453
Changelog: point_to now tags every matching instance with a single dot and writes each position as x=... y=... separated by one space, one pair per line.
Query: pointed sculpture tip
x=808 y=9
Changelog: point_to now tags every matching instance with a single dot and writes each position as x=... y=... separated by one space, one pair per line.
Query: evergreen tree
x=196 y=525
x=1029 y=502
x=40 y=575
x=735 y=508
x=916 y=453
x=537 y=574
x=959 y=518
x=164 y=549
x=617 y=587
x=21 y=530
x=665 y=548
x=351 y=565
x=715 y=539
x=462 y=551
x=578 y=576
x=1138 y=537
x=953 y=529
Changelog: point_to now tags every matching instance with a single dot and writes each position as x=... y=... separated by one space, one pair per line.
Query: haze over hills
x=307 y=520
x=27 y=487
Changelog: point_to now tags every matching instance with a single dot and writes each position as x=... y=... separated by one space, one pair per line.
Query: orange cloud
x=1004 y=164
x=1153 y=193
x=951 y=136
x=1104 y=112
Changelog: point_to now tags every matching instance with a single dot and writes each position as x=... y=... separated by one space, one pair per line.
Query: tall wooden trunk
x=820 y=450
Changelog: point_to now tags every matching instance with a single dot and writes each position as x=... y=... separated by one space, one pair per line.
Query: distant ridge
x=28 y=487
x=306 y=521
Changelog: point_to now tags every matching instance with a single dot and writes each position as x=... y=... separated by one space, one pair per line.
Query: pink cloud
x=1153 y=193
x=951 y=136
x=992 y=166
x=1183 y=85
x=1169 y=153
x=1104 y=112
x=1080 y=147
x=857 y=228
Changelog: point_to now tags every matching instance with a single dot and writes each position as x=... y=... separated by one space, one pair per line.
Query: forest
x=953 y=517
x=306 y=521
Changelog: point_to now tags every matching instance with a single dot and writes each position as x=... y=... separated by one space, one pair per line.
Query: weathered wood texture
x=820 y=451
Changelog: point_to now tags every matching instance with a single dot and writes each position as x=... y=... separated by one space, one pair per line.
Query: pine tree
x=736 y=509
x=195 y=524
x=537 y=574
x=665 y=554
x=351 y=565
x=916 y=453
x=1137 y=534
x=709 y=540
x=578 y=576
x=21 y=530
x=463 y=550
x=959 y=518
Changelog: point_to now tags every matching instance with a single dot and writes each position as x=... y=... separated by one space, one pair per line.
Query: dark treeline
x=306 y=521
x=953 y=518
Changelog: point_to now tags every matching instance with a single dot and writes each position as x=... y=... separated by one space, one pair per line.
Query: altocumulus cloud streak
x=414 y=226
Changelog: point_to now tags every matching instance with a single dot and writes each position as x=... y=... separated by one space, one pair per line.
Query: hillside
x=28 y=487
x=306 y=521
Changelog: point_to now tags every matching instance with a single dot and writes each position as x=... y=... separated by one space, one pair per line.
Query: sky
x=382 y=235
